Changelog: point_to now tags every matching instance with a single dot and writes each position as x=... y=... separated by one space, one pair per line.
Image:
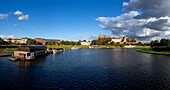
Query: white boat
x=74 y=48
x=57 y=50
x=29 y=52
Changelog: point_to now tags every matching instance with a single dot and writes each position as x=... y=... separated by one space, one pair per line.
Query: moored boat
x=28 y=52
x=57 y=50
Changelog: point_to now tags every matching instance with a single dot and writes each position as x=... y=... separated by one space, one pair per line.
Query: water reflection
x=88 y=69
x=23 y=63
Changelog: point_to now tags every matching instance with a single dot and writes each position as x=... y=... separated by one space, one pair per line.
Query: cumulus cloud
x=149 y=8
x=144 y=19
x=17 y=12
x=7 y=36
x=3 y=16
x=23 y=17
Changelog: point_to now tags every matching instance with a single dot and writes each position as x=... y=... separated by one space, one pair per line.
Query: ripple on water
x=88 y=69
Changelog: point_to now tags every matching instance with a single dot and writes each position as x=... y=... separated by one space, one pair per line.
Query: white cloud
x=125 y=3
x=150 y=20
x=23 y=17
x=3 y=16
x=7 y=36
x=17 y=12
x=143 y=29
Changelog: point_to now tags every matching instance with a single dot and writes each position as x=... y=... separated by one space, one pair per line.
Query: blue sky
x=56 y=19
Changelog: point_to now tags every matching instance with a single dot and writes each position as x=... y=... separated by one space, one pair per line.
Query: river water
x=88 y=69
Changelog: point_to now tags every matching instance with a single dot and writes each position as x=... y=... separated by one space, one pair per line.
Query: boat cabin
x=30 y=51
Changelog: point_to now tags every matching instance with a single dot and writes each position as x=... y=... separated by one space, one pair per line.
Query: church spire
x=100 y=35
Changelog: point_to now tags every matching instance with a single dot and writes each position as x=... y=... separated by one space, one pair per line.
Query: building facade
x=85 y=43
x=30 y=52
x=17 y=40
x=40 y=41
x=124 y=40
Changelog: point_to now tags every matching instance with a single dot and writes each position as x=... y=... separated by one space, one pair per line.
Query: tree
x=112 y=43
x=2 y=42
x=84 y=40
x=154 y=43
x=164 y=42
x=51 y=43
x=31 y=42
x=139 y=43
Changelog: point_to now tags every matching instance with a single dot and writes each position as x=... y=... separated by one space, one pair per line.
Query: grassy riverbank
x=151 y=51
x=3 y=55
x=7 y=50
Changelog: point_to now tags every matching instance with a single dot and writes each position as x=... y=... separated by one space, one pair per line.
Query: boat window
x=28 y=54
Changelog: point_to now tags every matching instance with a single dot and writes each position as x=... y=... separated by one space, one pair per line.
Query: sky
x=85 y=19
x=55 y=19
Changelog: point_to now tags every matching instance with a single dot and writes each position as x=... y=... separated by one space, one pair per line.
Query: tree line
x=33 y=42
x=161 y=43
x=2 y=42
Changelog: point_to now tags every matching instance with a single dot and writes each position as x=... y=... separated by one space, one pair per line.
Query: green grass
x=107 y=46
x=154 y=52
x=3 y=55
x=7 y=51
x=142 y=47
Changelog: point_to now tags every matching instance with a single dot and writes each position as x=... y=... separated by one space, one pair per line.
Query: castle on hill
x=124 y=40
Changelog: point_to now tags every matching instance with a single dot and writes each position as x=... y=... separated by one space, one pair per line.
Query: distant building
x=45 y=41
x=104 y=37
x=85 y=43
x=124 y=40
x=17 y=40
x=40 y=41
x=115 y=40
x=56 y=41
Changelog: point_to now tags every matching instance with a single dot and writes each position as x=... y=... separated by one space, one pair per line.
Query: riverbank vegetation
x=158 y=47
x=7 y=51
x=151 y=51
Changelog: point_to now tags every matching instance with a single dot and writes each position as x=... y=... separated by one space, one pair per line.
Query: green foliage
x=122 y=45
x=31 y=42
x=154 y=43
x=50 y=43
x=151 y=51
x=139 y=43
x=84 y=40
x=164 y=42
x=161 y=43
x=70 y=42
x=99 y=42
x=2 y=42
